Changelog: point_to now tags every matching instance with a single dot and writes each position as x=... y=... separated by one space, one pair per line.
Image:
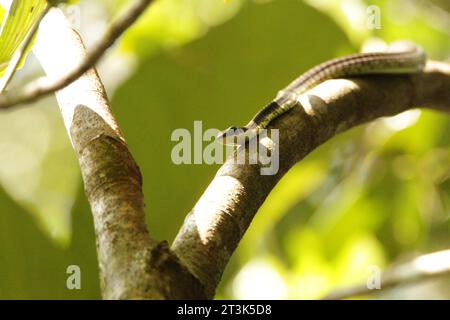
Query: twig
x=425 y=267
x=42 y=87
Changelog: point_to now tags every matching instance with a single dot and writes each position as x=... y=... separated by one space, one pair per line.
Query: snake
x=400 y=57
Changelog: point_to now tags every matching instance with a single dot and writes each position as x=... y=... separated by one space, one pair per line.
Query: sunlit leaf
x=18 y=18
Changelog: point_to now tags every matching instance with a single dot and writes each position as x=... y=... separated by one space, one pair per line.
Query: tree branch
x=214 y=227
x=45 y=86
x=132 y=264
x=422 y=268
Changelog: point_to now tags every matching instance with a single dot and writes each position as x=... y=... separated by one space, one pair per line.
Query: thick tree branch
x=214 y=227
x=422 y=268
x=132 y=265
x=45 y=86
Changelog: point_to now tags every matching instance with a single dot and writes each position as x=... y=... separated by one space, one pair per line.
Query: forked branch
x=132 y=264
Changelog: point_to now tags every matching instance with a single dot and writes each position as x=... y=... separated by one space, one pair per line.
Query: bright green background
x=368 y=197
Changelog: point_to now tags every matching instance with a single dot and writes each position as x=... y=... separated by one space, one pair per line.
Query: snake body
x=400 y=58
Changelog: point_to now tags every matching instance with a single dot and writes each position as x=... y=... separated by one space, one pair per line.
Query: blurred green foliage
x=368 y=197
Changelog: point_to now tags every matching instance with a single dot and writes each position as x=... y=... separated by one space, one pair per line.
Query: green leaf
x=18 y=18
x=56 y=2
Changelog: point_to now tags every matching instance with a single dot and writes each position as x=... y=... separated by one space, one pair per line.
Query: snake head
x=235 y=136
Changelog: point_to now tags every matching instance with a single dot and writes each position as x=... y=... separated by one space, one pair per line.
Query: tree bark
x=135 y=266
x=216 y=224
x=132 y=264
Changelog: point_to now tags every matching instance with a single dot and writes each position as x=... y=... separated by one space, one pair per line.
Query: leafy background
x=375 y=195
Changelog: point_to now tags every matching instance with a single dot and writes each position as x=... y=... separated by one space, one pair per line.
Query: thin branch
x=422 y=268
x=215 y=226
x=43 y=87
x=132 y=265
